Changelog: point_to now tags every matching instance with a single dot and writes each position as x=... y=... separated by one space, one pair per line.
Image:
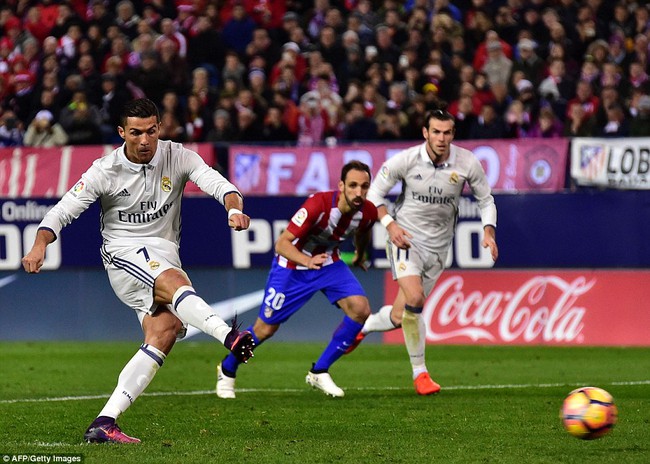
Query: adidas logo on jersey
x=124 y=193
x=418 y=177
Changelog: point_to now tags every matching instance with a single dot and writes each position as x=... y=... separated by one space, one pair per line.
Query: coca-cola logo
x=542 y=309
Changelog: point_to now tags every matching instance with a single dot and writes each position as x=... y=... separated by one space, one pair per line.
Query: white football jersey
x=428 y=204
x=140 y=203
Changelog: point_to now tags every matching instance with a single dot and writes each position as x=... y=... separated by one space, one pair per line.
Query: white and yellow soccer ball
x=588 y=413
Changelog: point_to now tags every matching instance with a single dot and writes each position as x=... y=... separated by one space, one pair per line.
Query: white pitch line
x=298 y=390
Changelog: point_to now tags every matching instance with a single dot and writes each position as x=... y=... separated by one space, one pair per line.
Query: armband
x=386 y=220
x=232 y=211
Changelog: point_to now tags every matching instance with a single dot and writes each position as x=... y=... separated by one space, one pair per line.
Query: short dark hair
x=356 y=165
x=139 y=108
x=441 y=115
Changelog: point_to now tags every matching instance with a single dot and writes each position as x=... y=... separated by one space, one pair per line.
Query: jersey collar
x=450 y=161
x=137 y=167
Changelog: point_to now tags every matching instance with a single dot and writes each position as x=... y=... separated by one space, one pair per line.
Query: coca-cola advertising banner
x=586 y=307
x=613 y=163
x=526 y=165
x=32 y=172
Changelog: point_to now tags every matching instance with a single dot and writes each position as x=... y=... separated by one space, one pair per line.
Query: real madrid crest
x=453 y=178
x=153 y=265
x=166 y=184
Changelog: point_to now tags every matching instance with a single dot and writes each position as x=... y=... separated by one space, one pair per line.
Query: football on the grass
x=588 y=413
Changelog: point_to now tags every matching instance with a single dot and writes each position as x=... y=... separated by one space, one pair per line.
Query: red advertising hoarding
x=32 y=172
x=523 y=165
x=536 y=307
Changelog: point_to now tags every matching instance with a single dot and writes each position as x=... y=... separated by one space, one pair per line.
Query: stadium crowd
x=283 y=71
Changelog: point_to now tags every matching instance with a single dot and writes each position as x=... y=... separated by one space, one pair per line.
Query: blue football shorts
x=287 y=290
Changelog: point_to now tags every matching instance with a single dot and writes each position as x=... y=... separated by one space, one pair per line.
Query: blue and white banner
x=614 y=163
x=582 y=229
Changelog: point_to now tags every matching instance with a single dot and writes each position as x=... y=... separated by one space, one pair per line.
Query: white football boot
x=324 y=382
x=225 y=385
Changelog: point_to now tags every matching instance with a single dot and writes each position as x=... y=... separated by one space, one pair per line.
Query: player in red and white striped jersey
x=307 y=262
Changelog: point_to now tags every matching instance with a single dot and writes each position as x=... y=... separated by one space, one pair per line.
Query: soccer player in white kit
x=140 y=186
x=433 y=175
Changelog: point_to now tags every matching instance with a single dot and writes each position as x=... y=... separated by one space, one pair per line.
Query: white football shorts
x=416 y=262
x=132 y=271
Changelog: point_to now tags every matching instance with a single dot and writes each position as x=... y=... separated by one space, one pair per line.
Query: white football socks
x=379 y=321
x=193 y=310
x=414 y=339
x=134 y=378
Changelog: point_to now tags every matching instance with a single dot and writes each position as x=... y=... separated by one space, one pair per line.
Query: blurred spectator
x=578 y=123
x=328 y=100
x=113 y=99
x=43 y=131
x=389 y=126
x=313 y=121
x=36 y=24
x=98 y=14
x=518 y=120
x=465 y=117
x=274 y=129
x=238 y=30
x=196 y=119
x=233 y=69
x=497 y=65
x=488 y=125
x=11 y=130
x=608 y=96
x=175 y=66
x=257 y=84
x=585 y=98
x=316 y=18
x=20 y=100
x=202 y=87
x=170 y=34
x=171 y=127
x=222 y=130
x=547 y=125
x=332 y=51
x=557 y=89
x=640 y=122
x=262 y=45
x=358 y=126
x=81 y=120
x=290 y=111
x=617 y=125
x=249 y=127
x=205 y=48
x=528 y=62
x=127 y=19
x=482 y=52
x=151 y=77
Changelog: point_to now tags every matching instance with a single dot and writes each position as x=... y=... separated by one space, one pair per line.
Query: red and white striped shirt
x=319 y=226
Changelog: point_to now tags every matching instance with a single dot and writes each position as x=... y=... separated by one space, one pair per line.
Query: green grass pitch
x=497 y=405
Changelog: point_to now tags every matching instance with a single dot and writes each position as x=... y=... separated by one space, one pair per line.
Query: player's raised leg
x=383 y=320
x=227 y=369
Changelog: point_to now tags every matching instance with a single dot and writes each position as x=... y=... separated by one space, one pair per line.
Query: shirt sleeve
x=206 y=178
x=303 y=219
x=390 y=173
x=481 y=190
x=75 y=201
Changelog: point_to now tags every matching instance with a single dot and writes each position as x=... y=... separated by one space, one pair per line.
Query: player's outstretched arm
x=490 y=241
x=234 y=204
x=33 y=260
